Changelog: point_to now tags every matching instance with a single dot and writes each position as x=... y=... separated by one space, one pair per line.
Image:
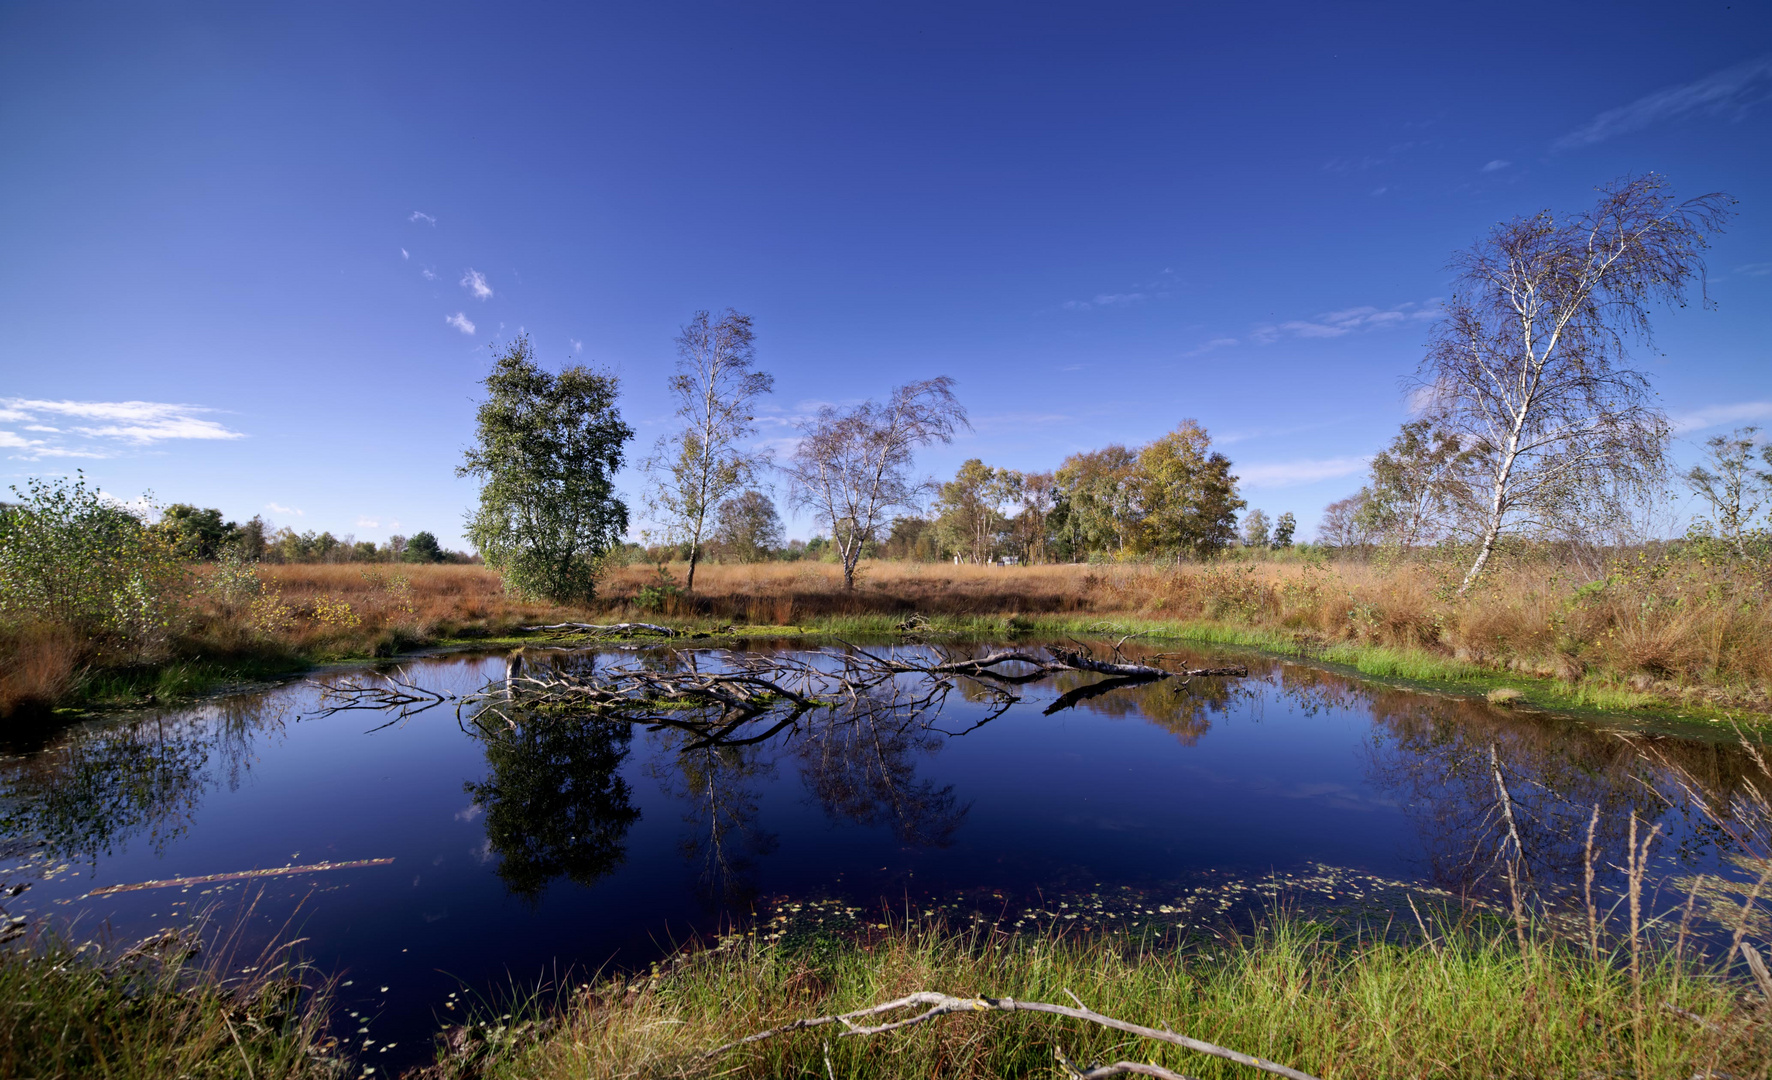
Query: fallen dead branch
x=609 y=629
x=239 y=875
x=734 y=697
x=938 y=1005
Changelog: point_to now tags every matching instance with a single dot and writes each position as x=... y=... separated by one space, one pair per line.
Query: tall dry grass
x=1668 y=626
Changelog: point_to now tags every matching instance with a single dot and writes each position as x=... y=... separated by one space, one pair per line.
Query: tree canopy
x=546 y=453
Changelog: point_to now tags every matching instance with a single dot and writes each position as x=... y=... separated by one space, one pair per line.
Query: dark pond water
x=573 y=844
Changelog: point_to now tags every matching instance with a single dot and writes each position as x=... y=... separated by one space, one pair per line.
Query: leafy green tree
x=969 y=519
x=1284 y=528
x=748 y=527
x=422 y=548
x=1187 y=494
x=1099 y=496
x=547 y=450
x=73 y=558
x=695 y=470
x=197 y=534
x=1255 y=530
x=1419 y=488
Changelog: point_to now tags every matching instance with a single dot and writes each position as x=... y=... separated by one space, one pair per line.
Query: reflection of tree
x=99 y=785
x=719 y=785
x=554 y=803
x=1439 y=757
x=861 y=770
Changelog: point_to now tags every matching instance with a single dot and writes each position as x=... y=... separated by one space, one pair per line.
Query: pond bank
x=1654 y=705
x=1464 y=1001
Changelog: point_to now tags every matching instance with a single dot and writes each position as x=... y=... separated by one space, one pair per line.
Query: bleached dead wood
x=610 y=629
x=938 y=1005
x=735 y=697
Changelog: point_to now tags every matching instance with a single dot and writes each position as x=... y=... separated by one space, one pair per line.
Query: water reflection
x=720 y=786
x=554 y=801
x=865 y=773
x=98 y=786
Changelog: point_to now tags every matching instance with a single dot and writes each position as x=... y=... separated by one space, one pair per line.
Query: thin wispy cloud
x=1710 y=416
x=461 y=322
x=428 y=274
x=577 y=345
x=98 y=429
x=475 y=282
x=1497 y=165
x=1730 y=92
x=1212 y=346
x=1292 y=473
x=421 y=216
x=1101 y=300
x=1755 y=269
x=404 y=254
x=1334 y=324
x=368 y=523
x=286 y=511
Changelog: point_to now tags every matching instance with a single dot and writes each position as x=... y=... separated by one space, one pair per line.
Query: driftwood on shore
x=938 y=1005
x=733 y=697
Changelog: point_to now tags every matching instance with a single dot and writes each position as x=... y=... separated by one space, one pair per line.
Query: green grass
x=153 y=1012
x=1470 y=1005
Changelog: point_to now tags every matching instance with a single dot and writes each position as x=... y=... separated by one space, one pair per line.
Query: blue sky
x=255 y=254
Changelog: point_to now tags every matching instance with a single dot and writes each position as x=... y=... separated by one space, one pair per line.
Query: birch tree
x=1530 y=366
x=853 y=467
x=696 y=469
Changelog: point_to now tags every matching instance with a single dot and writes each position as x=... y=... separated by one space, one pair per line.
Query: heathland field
x=1654 y=630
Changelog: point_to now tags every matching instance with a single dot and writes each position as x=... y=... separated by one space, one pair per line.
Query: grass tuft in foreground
x=153 y=1011
x=1470 y=1003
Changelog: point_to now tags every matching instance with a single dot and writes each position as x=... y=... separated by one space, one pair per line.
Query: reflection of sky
x=1259 y=779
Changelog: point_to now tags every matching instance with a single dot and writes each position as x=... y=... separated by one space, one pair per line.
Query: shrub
x=71 y=558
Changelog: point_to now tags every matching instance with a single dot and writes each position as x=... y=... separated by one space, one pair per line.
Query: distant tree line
x=202 y=535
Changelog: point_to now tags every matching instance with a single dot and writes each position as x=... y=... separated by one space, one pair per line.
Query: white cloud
x=1497 y=165
x=1711 y=416
x=461 y=322
x=577 y=345
x=1334 y=324
x=420 y=215
x=1291 y=473
x=1730 y=91
x=428 y=274
x=475 y=282
x=1379 y=190
x=1211 y=346
x=1106 y=300
x=404 y=254
x=368 y=523
x=287 y=511
x=1755 y=269
x=96 y=423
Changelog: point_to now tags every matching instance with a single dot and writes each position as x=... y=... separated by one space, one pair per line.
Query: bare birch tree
x=853 y=468
x=1529 y=367
x=696 y=469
